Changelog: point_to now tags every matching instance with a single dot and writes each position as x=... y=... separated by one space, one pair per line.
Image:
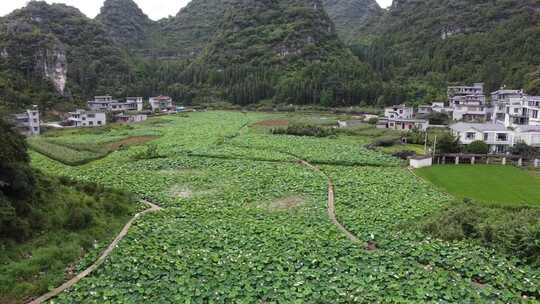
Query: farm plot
x=227 y=245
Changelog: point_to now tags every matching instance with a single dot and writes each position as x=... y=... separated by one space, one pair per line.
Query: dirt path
x=55 y=292
x=331 y=204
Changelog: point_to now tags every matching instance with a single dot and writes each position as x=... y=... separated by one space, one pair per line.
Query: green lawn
x=504 y=185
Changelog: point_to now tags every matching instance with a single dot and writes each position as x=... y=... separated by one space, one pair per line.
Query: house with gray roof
x=497 y=136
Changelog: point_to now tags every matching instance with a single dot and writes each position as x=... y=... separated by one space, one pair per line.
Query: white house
x=529 y=135
x=106 y=103
x=399 y=111
x=403 y=124
x=130 y=118
x=83 y=118
x=499 y=101
x=28 y=123
x=468 y=103
x=497 y=136
x=522 y=111
x=161 y=104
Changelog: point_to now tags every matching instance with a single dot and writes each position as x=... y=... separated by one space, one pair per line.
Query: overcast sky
x=155 y=9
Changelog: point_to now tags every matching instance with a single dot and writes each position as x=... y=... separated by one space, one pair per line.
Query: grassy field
x=505 y=185
x=245 y=222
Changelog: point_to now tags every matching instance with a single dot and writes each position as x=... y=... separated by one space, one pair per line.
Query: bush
x=80 y=218
x=524 y=150
x=151 y=152
x=515 y=231
x=373 y=121
x=304 y=130
x=404 y=154
x=448 y=143
x=385 y=142
x=477 y=147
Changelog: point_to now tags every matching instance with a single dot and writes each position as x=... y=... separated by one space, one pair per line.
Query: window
x=84 y=118
x=91 y=123
x=99 y=122
x=91 y=115
x=516 y=110
x=470 y=135
x=502 y=137
x=535 y=114
x=35 y=129
x=486 y=136
x=35 y=120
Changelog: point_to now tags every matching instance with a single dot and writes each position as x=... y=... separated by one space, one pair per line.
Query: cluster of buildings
x=131 y=110
x=510 y=117
x=99 y=110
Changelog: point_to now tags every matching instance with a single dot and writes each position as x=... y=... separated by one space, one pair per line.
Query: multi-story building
x=499 y=101
x=108 y=104
x=522 y=111
x=475 y=89
x=83 y=118
x=162 y=104
x=399 y=112
x=468 y=103
x=28 y=123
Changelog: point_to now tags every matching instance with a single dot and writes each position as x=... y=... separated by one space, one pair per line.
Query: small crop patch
x=284 y=203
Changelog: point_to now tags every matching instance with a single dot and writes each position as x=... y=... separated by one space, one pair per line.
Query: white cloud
x=155 y=9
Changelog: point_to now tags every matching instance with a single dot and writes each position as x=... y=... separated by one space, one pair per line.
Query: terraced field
x=245 y=222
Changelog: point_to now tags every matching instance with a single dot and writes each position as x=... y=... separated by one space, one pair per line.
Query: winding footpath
x=331 y=204
x=55 y=292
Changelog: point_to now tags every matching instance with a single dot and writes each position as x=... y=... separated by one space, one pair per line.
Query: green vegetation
x=513 y=230
x=71 y=147
x=48 y=224
x=243 y=221
x=500 y=185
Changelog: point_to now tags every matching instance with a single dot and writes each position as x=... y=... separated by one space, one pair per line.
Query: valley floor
x=243 y=221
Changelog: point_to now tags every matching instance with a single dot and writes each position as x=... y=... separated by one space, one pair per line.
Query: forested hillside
x=434 y=42
x=54 y=52
x=353 y=18
x=286 y=51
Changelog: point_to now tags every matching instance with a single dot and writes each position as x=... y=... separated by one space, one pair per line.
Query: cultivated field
x=244 y=221
x=505 y=185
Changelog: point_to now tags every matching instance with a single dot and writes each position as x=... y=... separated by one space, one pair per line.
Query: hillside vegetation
x=47 y=224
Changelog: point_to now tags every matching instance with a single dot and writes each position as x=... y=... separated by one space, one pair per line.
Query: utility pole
x=434 y=146
x=425 y=143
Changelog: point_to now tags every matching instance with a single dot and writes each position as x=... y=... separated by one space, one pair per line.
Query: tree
x=438 y=118
x=448 y=143
x=524 y=150
x=477 y=147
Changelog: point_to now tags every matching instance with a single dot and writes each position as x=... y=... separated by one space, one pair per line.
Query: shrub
x=80 y=218
x=373 y=121
x=477 y=147
x=385 y=142
x=524 y=150
x=304 y=130
x=513 y=230
x=404 y=154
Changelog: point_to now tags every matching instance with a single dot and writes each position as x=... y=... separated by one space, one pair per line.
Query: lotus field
x=244 y=222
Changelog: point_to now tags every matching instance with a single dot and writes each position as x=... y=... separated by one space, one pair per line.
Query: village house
x=522 y=111
x=497 y=136
x=499 y=100
x=106 y=103
x=83 y=118
x=130 y=118
x=529 y=135
x=468 y=103
x=399 y=111
x=28 y=123
x=162 y=104
x=402 y=124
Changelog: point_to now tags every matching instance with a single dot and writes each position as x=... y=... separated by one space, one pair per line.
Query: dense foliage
x=433 y=43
